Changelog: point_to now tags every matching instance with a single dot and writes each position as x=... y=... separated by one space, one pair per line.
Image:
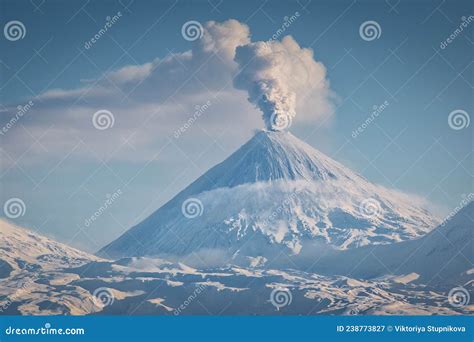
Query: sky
x=121 y=103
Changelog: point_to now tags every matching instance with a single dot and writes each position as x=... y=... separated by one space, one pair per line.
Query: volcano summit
x=275 y=194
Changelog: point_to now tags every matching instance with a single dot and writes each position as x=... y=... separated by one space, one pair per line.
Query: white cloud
x=150 y=101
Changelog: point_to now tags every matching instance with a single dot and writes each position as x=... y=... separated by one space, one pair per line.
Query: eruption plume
x=279 y=77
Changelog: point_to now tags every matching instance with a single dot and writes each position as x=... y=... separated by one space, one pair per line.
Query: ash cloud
x=282 y=78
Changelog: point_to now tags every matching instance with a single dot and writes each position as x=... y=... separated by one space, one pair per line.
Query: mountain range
x=45 y=277
x=276 y=228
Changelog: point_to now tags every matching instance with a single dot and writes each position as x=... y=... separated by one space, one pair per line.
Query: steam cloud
x=280 y=77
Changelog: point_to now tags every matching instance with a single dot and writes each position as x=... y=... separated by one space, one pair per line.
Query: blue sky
x=63 y=168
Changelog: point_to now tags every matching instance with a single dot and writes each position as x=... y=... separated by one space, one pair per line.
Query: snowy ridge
x=22 y=248
x=445 y=254
x=65 y=285
x=32 y=274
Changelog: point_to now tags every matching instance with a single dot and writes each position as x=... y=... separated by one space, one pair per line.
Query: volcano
x=275 y=194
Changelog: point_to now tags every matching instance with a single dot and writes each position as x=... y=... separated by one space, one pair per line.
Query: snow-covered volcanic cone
x=275 y=194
